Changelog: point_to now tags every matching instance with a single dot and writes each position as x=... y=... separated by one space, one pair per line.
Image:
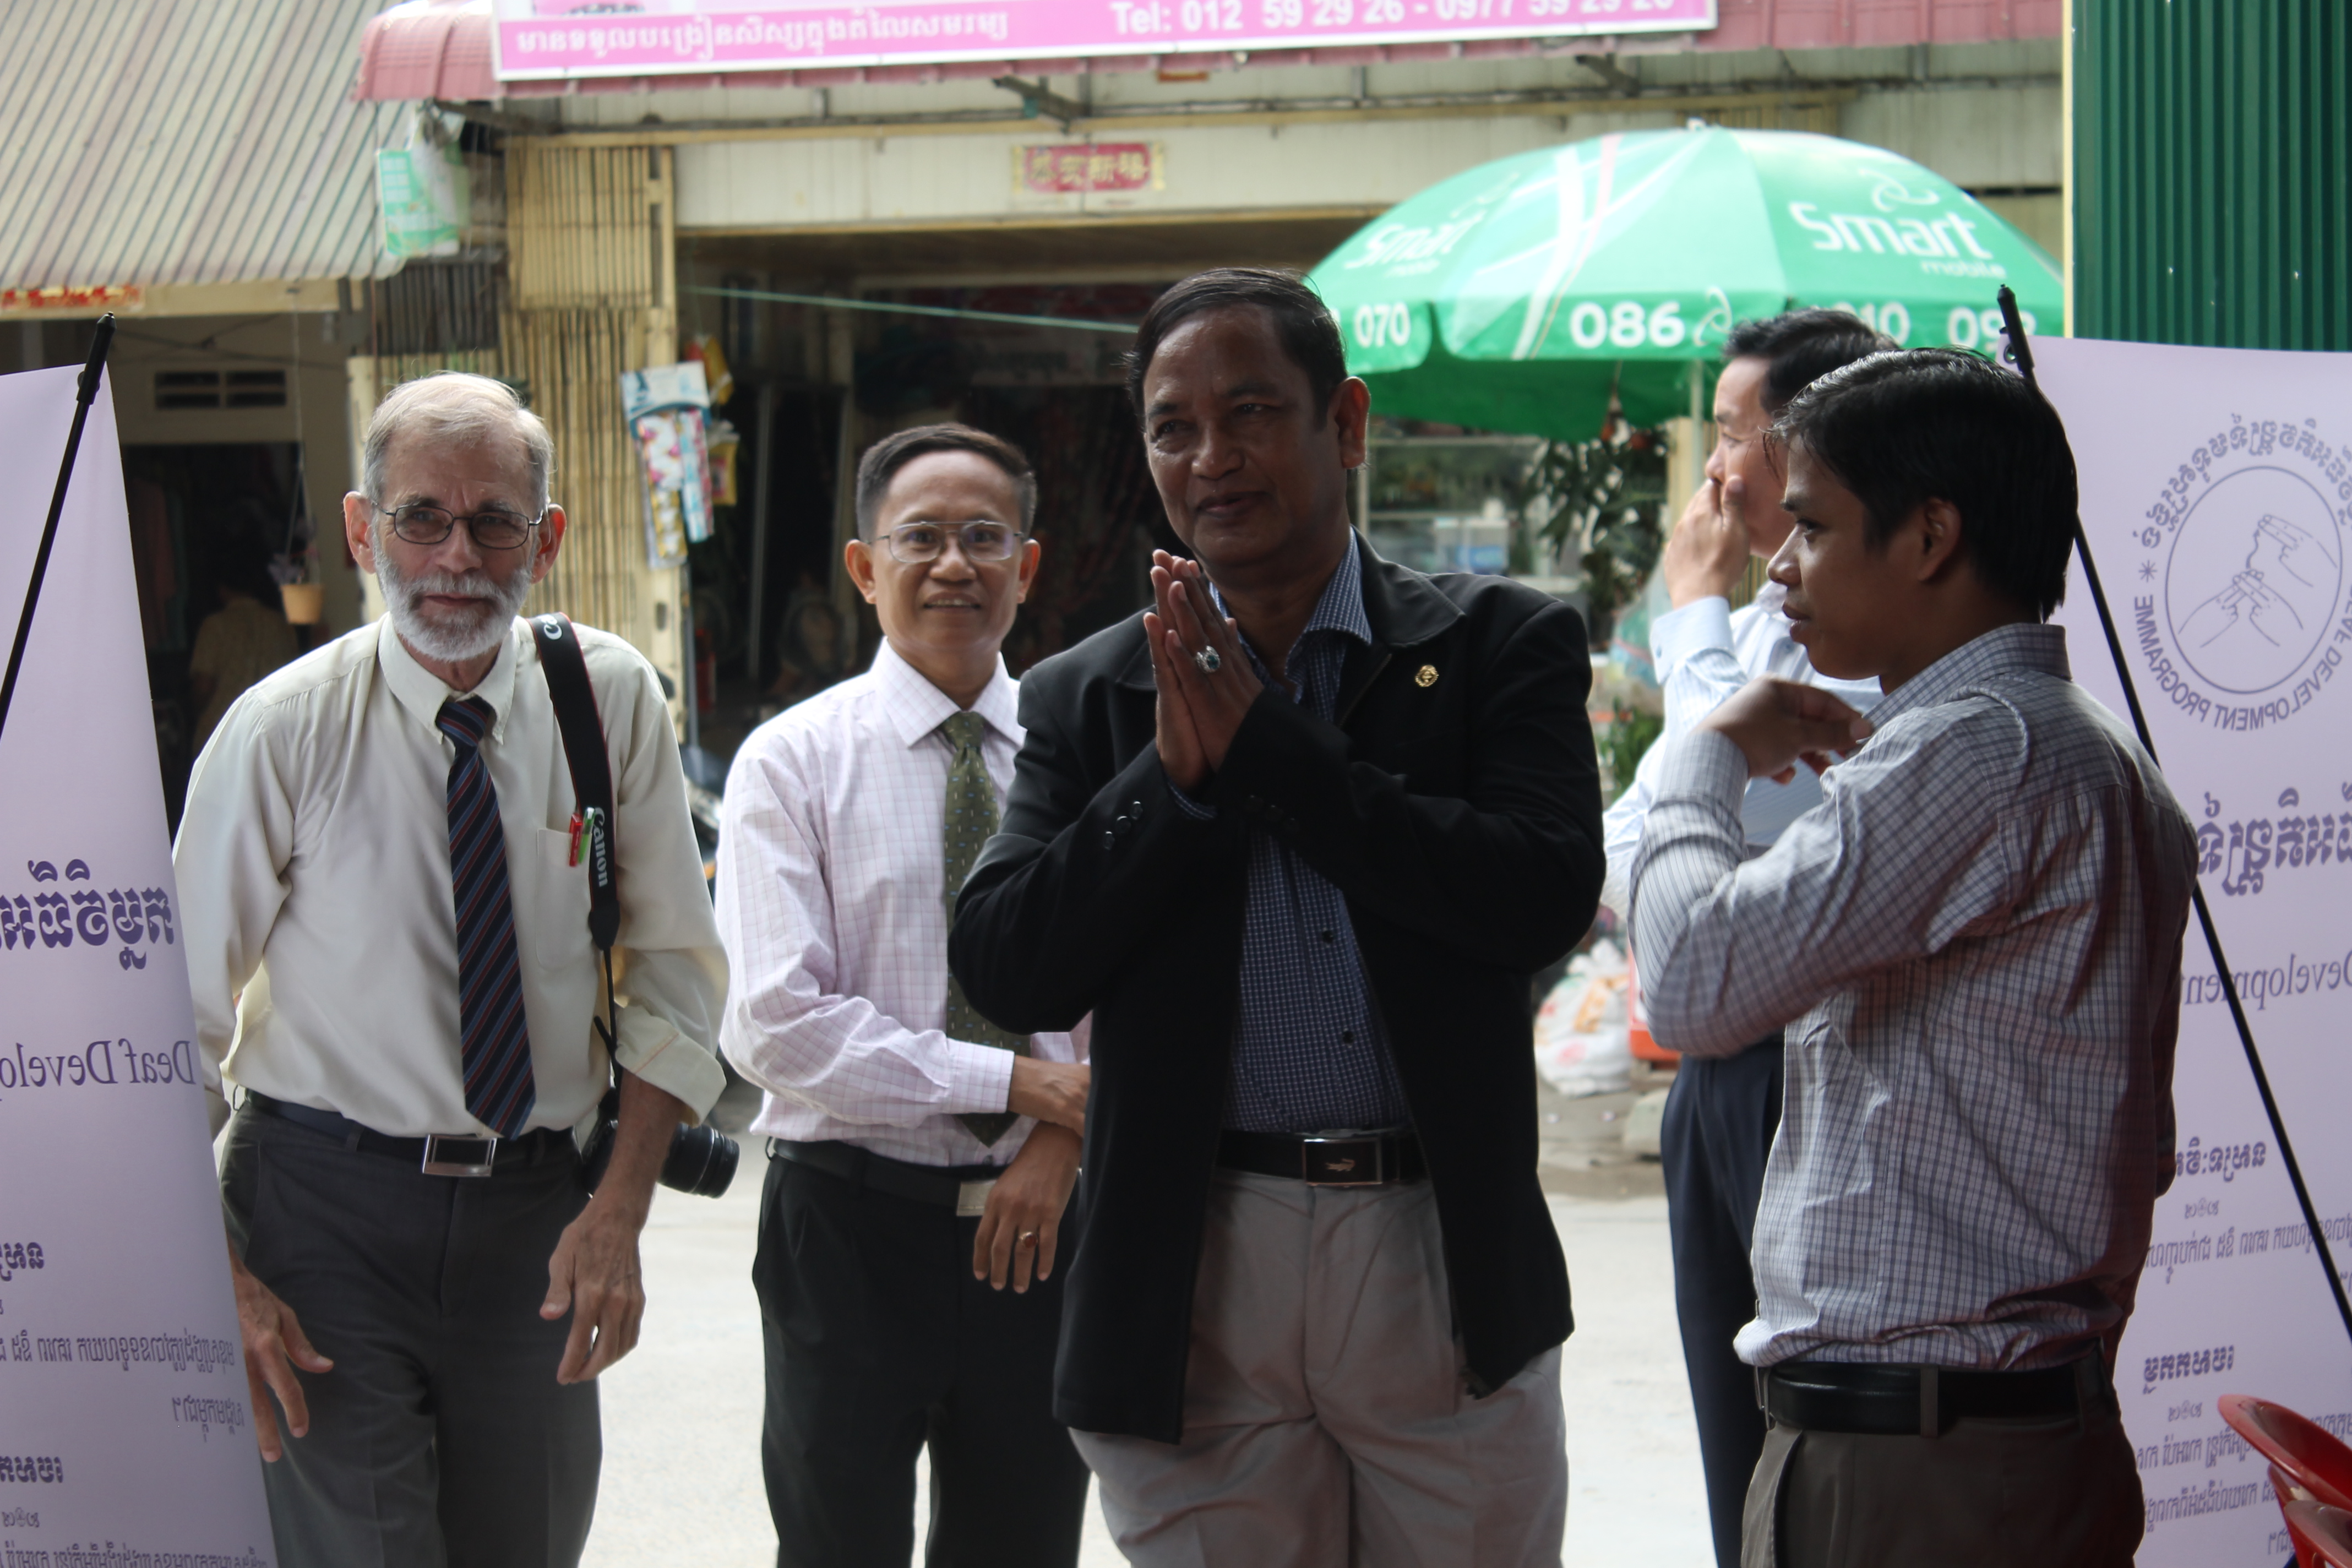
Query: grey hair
x=458 y=408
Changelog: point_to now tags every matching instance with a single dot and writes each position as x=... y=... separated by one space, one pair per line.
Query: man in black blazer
x=1297 y=838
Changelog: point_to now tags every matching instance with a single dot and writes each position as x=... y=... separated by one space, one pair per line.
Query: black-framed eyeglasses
x=985 y=543
x=492 y=530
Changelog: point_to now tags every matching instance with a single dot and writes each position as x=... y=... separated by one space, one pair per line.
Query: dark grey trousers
x=2043 y=1493
x=441 y=1439
x=1720 y=1118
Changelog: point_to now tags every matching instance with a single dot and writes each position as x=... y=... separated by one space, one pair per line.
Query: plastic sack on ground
x=1581 y=1040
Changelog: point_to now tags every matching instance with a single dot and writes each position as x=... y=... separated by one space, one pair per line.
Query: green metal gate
x=2212 y=151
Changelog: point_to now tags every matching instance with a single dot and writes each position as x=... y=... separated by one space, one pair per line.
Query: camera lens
x=701 y=1161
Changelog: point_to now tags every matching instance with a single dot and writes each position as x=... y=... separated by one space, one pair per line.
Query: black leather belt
x=1325 y=1159
x=1924 y=1400
x=439 y=1154
x=963 y=1188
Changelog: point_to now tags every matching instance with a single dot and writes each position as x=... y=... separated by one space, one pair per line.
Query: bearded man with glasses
x=386 y=920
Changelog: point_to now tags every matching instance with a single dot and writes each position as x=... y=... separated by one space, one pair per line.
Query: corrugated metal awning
x=186 y=141
x=442 y=49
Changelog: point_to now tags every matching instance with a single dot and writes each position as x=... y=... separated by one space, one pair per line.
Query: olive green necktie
x=971 y=819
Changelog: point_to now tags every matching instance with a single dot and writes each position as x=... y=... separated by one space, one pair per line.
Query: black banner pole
x=85 y=393
x=2021 y=353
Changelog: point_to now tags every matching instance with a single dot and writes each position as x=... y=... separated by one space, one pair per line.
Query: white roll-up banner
x=2217 y=498
x=126 y=1431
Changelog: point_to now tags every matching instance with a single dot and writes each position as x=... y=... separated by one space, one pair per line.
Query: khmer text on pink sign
x=556 y=38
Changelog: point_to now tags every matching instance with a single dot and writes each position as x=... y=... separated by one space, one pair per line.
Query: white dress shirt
x=832 y=875
x=313 y=864
x=1703 y=652
x=1974 y=941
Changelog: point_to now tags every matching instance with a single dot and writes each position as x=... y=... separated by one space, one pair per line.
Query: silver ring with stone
x=1208 y=660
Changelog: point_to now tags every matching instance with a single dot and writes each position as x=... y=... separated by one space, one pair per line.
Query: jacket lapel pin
x=1426 y=676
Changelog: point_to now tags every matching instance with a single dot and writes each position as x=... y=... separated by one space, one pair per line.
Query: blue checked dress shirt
x=1974 y=941
x=1309 y=1055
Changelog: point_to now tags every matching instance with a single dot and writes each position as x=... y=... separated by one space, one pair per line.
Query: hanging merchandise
x=724 y=443
x=665 y=405
x=423 y=190
x=703 y=350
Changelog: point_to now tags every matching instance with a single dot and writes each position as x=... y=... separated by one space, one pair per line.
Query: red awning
x=428 y=49
x=441 y=48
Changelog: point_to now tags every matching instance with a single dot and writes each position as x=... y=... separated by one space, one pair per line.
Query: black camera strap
x=703 y=1163
x=592 y=792
x=591 y=768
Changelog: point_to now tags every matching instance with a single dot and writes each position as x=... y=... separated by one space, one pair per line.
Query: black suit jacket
x=1456 y=804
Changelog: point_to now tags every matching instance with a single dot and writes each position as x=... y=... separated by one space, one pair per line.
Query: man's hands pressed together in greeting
x=1206 y=682
x=1777 y=724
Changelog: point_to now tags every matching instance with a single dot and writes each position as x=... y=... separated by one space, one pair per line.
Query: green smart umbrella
x=1517 y=296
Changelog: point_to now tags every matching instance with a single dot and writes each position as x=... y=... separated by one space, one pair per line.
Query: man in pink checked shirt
x=921 y=1158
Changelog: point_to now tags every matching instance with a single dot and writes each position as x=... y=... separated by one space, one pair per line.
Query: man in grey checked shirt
x=1974 y=945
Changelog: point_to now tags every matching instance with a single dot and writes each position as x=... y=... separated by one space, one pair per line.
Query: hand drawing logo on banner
x=125 y=1431
x=2245 y=544
x=2217 y=498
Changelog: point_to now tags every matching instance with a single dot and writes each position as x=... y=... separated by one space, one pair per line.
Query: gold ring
x=1026 y=1235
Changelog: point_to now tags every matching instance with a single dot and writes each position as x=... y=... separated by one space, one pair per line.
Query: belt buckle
x=458 y=1145
x=1342 y=1161
x=971 y=1198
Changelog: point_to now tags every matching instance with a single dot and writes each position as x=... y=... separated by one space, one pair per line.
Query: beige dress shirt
x=313 y=863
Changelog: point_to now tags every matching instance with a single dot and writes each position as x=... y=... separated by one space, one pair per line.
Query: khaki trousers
x=1328 y=1423
x=2058 y=1493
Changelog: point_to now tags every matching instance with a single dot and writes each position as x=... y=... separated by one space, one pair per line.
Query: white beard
x=450 y=641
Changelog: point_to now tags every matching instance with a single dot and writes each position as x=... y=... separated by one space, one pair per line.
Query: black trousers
x=879 y=1341
x=441 y=1437
x=1720 y=1118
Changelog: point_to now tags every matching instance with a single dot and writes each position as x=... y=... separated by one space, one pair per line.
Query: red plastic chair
x=2315 y=1463
x=2306 y=1552
x=2323 y=1535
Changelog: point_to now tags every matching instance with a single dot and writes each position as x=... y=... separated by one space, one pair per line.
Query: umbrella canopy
x=1519 y=295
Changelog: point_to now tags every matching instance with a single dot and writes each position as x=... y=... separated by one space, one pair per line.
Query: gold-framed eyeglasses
x=496 y=529
x=985 y=543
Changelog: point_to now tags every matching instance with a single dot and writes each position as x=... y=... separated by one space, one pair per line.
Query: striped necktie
x=495 y=1040
x=971 y=819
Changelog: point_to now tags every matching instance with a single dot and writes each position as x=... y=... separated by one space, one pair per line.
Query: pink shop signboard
x=537 y=39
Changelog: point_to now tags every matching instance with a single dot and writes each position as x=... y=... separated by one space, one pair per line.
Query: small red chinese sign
x=1077 y=168
x=87 y=297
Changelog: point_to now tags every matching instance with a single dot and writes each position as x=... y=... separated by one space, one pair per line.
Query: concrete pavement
x=681 y=1480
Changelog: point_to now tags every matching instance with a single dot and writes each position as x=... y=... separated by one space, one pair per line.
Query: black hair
x=1799 y=347
x=1302 y=323
x=883 y=460
x=1917 y=425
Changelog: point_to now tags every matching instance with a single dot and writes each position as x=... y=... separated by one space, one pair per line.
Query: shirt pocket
x=555 y=931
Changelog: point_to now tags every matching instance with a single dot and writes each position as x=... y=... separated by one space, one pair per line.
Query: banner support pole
x=2020 y=352
x=85 y=393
